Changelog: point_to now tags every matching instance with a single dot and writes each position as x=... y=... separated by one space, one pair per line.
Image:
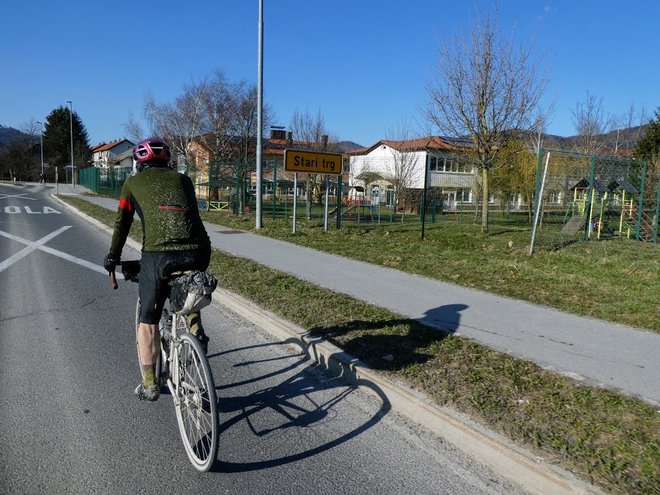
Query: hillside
x=619 y=138
x=8 y=134
x=348 y=146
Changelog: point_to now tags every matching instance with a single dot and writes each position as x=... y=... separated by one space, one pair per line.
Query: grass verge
x=606 y=438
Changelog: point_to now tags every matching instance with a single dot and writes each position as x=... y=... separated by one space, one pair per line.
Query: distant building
x=275 y=180
x=387 y=168
x=110 y=155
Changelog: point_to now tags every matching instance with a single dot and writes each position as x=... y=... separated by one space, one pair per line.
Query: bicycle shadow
x=306 y=397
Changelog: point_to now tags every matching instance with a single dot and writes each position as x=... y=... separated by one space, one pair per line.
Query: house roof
x=436 y=143
x=124 y=156
x=623 y=185
x=108 y=146
x=584 y=184
x=271 y=147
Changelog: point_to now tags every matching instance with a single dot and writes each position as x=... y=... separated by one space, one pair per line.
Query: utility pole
x=260 y=104
x=43 y=177
x=73 y=168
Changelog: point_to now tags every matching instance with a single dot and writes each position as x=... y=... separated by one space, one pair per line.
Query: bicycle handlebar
x=130 y=269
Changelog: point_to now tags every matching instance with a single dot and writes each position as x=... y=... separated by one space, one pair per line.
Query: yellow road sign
x=312 y=162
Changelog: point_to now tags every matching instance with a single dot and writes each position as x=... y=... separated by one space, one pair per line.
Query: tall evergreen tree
x=648 y=146
x=57 y=139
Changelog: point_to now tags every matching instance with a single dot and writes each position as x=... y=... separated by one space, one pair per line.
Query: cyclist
x=174 y=239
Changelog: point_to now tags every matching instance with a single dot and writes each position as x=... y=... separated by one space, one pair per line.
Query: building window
x=464 y=168
x=463 y=195
x=554 y=197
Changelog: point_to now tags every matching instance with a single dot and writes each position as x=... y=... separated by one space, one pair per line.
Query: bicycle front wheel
x=195 y=402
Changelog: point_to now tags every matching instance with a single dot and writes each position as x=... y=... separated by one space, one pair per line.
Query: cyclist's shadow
x=303 y=399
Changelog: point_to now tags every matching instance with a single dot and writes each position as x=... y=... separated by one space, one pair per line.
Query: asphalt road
x=70 y=424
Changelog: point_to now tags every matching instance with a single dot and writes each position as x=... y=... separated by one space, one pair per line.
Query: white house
x=109 y=155
x=376 y=172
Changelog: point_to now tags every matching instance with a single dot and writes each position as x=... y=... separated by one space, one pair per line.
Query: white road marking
x=22 y=196
x=40 y=244
x=13 y=210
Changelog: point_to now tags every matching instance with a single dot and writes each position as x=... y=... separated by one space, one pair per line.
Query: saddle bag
x=191 y=292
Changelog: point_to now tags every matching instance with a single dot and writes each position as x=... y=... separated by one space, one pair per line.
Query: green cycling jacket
x=166 y=204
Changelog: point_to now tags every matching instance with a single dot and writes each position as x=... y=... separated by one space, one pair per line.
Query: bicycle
x=186 y=371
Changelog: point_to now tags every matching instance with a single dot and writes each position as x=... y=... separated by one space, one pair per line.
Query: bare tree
x=220 y=102
x=133 y=129
x=405 y=167
x=591 y=124
x=629 y=128
x=20 y=156
x=216 y=113
x=180 y=122
x=19 y=159
x=487 y=88
x=241 y=153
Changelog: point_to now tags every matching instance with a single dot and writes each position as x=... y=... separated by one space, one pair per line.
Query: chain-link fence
x=586 y=197
x=106 y=182
x=581 y=196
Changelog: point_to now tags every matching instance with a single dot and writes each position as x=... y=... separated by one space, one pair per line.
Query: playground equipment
x=590 y=213
x=587 y=202
x=592 y=196
x=625 y=192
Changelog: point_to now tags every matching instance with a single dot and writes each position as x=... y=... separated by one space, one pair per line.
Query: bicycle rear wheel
x=195 y=402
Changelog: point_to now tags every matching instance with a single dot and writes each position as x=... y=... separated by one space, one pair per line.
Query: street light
x=260 y=91
x=43 y=177
x=73 y=175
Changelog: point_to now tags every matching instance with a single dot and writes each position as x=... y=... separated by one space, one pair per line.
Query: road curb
x=505 y=458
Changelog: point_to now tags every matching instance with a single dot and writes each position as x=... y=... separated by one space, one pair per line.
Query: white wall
x=102 y=158
x=382 y=160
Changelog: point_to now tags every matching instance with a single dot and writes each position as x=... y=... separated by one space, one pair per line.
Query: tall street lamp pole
x=260 y=79
x=43 y=177
x=73 y=169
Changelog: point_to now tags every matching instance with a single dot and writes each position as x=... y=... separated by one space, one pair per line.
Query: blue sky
x=364 y=65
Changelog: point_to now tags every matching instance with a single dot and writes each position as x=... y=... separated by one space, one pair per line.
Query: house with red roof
x=114 y=154
x=391 y=172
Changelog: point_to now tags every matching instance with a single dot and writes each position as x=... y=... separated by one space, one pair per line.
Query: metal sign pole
x=295 y=199
x=327 y=198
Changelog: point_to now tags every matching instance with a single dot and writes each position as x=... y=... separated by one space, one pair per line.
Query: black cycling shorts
x=154 y=270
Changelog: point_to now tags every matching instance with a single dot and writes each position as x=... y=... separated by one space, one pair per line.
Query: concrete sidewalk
x=594 y=351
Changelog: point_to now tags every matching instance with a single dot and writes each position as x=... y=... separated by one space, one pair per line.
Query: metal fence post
x=339 y=195
x=657 y=213
x=274 y=186
x=590 y=197
x=640 y=209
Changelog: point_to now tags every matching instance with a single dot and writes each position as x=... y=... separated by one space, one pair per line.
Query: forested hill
x=8 y=134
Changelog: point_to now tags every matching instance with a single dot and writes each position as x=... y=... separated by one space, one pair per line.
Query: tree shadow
x=394 y=344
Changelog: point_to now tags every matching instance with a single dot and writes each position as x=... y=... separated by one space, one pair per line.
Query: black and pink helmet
x=151 y=150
